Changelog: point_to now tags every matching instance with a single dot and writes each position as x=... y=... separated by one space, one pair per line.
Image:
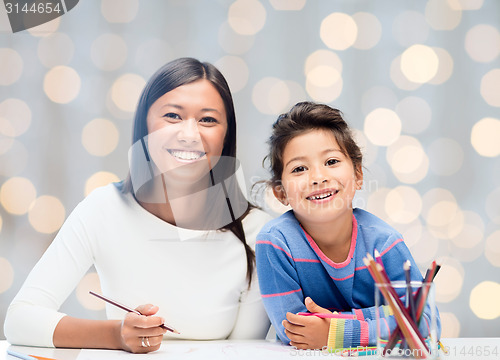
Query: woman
x=177 y=233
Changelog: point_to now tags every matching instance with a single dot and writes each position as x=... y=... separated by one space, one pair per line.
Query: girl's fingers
x=293 y=329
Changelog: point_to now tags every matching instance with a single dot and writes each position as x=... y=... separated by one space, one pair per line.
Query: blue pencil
x=19 y=355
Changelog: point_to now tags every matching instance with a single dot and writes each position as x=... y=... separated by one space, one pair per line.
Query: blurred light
x=465 y=4
x=153 y=54
x=7 y=278
x=450 y=280
x=484 y=300
x=1 y=223
x=376 y=203
x=442 y=213
x=61 y=84
x=445 y=67
x=492 y=249
x=289 y=5
x=14 y=158
x=446 y=156
x=419 y=63
x=403 y=204
x=101 y=178
x=325 y=89
x=274 y=203
x=119 y=11
x=5 y=141
x=400 y=80
x=126 y=91
x=323 y=76
x=376 y=97
x=12 y=66
x=271 y=96
x=413 y=233
x=490 y=87
x=90 y=282
x=368 y=150
x=47 y=28
x=247 y=17
x=408 y=160
x=369 y=30
x=492 y=208
x=56 y=49
x=297 y=93
x=382 y=127
x=46 y=214
x=338 y=31
x=16 y=195
x=109 y=52
x=426 y=249
x=324 y=94
x=235 y=70
x=410 y=27
x=232 y=42
x=16 y=117
x=100 y=137
x=415 y=114
x=450 y=326
x=441 y=16
x=472 y=232
x=436 y=200
x=485 y=137
x=482 y=43
x=322 y=58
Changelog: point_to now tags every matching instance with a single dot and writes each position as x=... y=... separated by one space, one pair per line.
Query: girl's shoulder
x=374 y=229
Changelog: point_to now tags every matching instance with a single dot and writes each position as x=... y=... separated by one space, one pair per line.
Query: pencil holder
x=406 y=320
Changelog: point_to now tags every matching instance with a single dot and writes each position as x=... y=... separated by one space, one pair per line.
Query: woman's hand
x=307 y=332
x=142 y=333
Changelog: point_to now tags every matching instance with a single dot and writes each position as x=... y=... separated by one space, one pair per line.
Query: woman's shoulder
x=103 y=199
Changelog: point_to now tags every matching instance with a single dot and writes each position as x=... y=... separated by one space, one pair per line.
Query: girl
x=315 y=250
x=177 y=232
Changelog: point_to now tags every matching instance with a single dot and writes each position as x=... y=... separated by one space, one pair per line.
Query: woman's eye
x=299 y=169
x=330 y=162
x=172 y=116
x=208 y=120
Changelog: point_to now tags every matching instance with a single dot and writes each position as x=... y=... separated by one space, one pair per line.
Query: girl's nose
x=188 y=132
x=318 y=177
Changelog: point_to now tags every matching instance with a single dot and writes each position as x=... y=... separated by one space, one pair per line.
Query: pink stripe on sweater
x=281 y=294
x=390 y=247
x=363 y=337
x=344 y=278
x=287 y=253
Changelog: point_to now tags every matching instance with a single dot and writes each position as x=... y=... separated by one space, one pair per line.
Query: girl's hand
x=137 y=330
x=307 y=332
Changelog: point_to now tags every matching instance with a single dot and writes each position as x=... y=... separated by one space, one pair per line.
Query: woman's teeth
x=186 y=155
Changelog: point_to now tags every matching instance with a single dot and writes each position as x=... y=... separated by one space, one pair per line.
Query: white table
x=459 y=349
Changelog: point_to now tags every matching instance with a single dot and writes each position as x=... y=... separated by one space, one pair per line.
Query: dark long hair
x=170 y=76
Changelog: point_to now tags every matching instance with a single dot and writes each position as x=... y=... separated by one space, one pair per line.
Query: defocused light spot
x=492 y=207
x=376 y=97
x=14 y=159
x=247 y=17
x=472 y=232
x=56 y=49
x=109 y=52
x=419 y=63
x=16 y=195
x=152 y=54
x=7 y=277
x=410 y=27
x=369 y=30
x=400 y=80
x=46 y=29
x=465 y=5
x=289 y=5
x=413 y=233
x=376 y=203
x=235 y=70
x=403 y=204
x=323 y=76
x=274 y=203
x=442 y=213
x=382 y=127
x=1 y=223
x=232 y=42
x=271 y=96
x=448 y=224
x=119 y=11
x=322 y=58
x=100 y=137
x=490 y=87
x=408 y=160
x=484 y=300
x=492 y=249
x=90 y=282
x=426 y=249
x=101 y=178
x=445 y=67
x=482 y=43
x=446 y=156
x=415 y=114
x=368 y=150
x=46 y=214
x=12 y=66
x=450 y=326
x=450 y=280
x=324 y=94
x=441 y=16
x=296 y=93
x=323 y=70
x=338 y=31
x=126 y=91
x=61 y=84
x=485 y=137
x=5 y=142
x=15 y=117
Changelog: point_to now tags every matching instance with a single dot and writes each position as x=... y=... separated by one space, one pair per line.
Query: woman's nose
x=188 y=132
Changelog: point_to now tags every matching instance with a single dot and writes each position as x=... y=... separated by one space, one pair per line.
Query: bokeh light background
x=418 y=80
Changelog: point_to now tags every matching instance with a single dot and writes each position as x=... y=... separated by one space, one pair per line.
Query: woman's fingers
x=142 y=333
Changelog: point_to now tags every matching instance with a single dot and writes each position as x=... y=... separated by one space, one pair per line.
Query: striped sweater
x=291 y=267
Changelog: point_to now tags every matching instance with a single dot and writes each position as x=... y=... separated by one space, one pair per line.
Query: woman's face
x=187 y=127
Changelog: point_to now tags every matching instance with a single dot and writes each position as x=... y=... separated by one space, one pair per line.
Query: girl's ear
x=359 y=177
x=280 y=194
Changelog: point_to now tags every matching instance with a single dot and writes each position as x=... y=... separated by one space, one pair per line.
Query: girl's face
x=187 y=127
x=318 y=180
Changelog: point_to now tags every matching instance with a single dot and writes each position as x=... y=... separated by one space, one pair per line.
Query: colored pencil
x=329 y=315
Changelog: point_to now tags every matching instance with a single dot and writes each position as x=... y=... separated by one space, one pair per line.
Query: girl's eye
x=172 y=116
x=299 y=169
x=208 y=120
x=331 y=162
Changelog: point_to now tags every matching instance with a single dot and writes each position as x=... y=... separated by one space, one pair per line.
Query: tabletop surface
x=458 y=348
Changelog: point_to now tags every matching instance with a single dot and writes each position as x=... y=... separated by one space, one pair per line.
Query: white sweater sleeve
x=33 y=314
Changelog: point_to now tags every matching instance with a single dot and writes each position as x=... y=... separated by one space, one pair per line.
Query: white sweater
x=197 y=278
